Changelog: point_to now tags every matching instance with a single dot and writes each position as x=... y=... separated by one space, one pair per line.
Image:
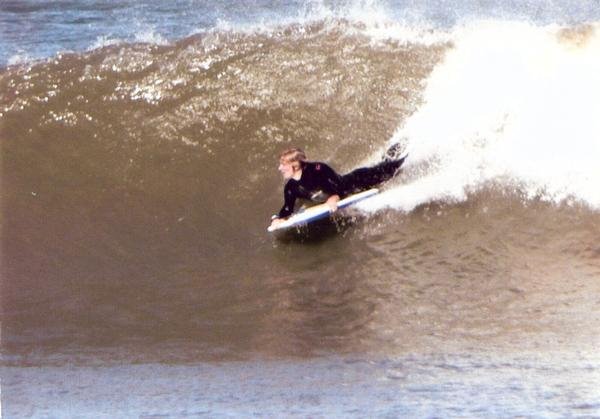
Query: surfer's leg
x=368 y=177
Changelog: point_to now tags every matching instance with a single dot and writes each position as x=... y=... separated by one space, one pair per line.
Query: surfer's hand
x=332 y=202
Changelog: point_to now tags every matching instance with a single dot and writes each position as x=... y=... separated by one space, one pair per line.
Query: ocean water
x=139 y=145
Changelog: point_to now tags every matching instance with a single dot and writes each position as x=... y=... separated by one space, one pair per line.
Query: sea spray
x=512 y=104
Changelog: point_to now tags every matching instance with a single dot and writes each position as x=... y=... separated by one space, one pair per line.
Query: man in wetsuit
x=309 y=180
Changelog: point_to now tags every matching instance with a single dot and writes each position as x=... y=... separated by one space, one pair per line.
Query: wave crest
x=514 y=104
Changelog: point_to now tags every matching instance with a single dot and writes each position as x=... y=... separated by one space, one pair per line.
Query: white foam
x=368 y=17
x=367 y=11
x=20 y=58
x=511 y=103
x=377 y=21
x=150 y=36
x=104 y=41
x=143 y=35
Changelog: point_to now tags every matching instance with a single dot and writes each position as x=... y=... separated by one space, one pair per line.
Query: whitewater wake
x=512 y=105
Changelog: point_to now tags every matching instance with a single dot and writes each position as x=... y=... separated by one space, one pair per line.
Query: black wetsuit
x=318 y=177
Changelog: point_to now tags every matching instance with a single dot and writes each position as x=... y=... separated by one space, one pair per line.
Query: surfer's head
x=291 y=162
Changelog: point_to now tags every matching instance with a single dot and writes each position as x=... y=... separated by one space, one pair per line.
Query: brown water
x=138 y=181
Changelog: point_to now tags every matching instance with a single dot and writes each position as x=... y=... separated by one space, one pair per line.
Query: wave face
x=138 y=180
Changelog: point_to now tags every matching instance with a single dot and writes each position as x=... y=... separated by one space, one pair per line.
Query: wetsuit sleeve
x=289 y=197
x=329 y=180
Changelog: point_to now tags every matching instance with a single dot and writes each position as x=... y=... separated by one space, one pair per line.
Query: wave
x=135 y=162
x=138 y=180
x=70 y=26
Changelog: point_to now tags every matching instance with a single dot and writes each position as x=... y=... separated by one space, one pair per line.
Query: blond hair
x=295 y=156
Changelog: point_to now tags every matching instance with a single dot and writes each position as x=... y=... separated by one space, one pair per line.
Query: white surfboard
x=320 y=211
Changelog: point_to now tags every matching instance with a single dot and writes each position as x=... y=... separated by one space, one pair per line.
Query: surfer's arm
x=289 y=197
x=332 y=202
x=330 y=183
x=329 y=180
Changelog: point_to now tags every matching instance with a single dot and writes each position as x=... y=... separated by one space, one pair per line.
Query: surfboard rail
x=320 y=211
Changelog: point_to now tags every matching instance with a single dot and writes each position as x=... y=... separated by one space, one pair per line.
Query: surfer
x=318 y=181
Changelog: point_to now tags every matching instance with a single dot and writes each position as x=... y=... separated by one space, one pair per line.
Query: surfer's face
x=286 y=169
